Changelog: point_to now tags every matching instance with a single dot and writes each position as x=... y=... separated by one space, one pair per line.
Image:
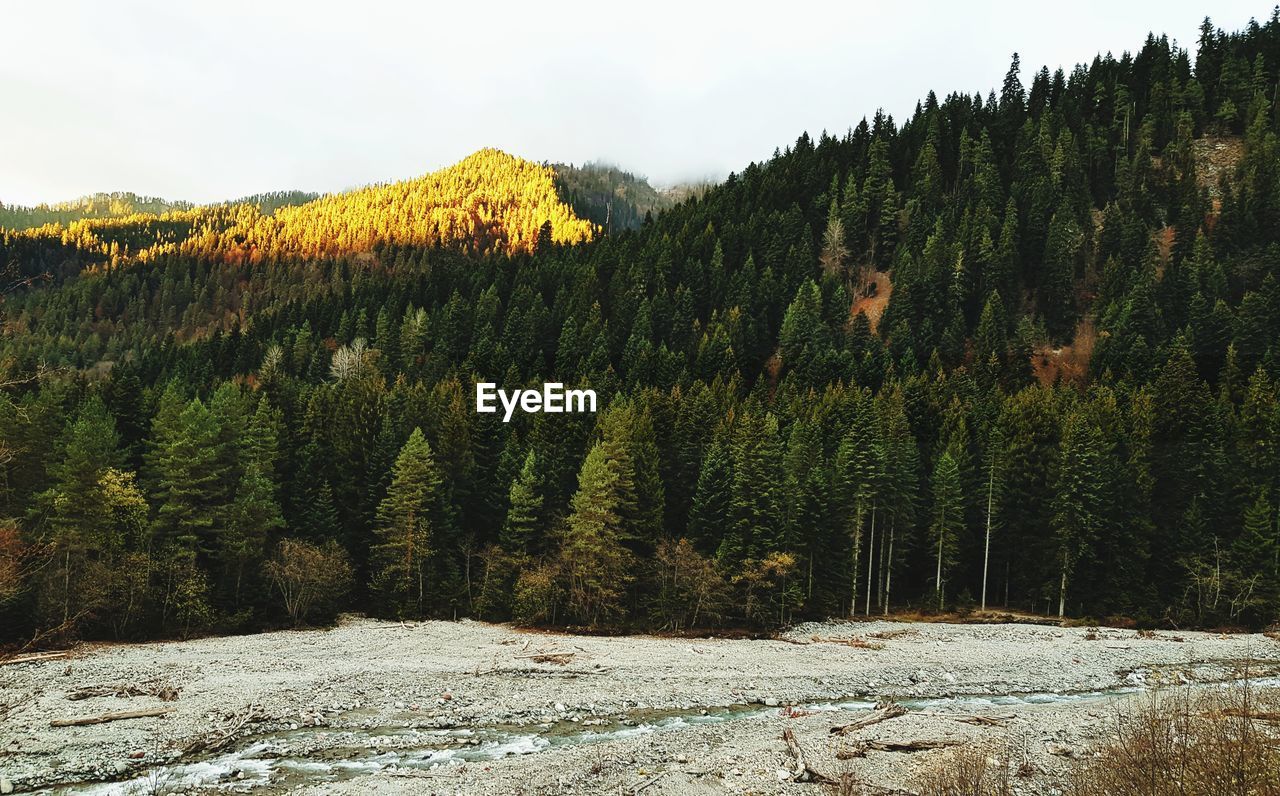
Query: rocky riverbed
x=467 y=707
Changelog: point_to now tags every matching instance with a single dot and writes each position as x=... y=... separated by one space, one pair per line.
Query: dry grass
x=981 y=770
x=1187 y=742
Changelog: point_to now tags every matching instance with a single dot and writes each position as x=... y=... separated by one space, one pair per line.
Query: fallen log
x=852 y=641
x=982 y=721
x=891 y=711
x=39 y=656
x=103 y=718
x=391 y=626
x=560 y=658
x=860 y=748
x=974 y=719
x=162 y=691
x=225 y=735
x=802 y=771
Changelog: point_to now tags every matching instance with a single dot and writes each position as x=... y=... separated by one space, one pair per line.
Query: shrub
x=312 y=580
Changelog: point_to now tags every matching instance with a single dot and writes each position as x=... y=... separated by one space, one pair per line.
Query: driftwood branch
x=397 y=626
x=974 y=719
x=891 y=711
x=39 y=656
x=802 y=771
x=103 y=718
x=560 y=658
x=162 y=691
x=860 y=748
x=225 y=735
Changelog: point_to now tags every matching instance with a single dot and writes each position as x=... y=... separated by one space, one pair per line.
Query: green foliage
x=595 y=565
x=406 y=522
x=806 y=372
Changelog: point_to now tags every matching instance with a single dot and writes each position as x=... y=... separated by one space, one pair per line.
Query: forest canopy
x=1016 y=350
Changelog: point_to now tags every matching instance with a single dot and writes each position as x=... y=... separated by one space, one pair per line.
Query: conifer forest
x=1017 y=351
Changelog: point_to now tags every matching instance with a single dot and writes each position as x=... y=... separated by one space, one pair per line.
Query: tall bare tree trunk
x=986 y=550
x=871 y=557
x=938 y=578
x=888 y=574
x=857 y=555
x=1062 y=588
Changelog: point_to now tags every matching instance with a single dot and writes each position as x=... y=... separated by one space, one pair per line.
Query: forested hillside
x=99 y=205
x=615 y=199
x=1027 y=322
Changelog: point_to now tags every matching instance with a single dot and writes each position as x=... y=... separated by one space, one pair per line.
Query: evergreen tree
x=406 y=521
x=253 y=516
x=1078 y=504
x=711 y=501
x=755 y=511
x=524 y=517
x=190 y=480
x=593 y=559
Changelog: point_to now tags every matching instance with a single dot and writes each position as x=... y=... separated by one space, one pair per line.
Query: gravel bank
x=602 y=713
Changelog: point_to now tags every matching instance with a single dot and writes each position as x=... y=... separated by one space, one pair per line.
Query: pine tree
x=405 y=525
x=805 y=491
x=991 y=342
x=755 y=510
x=74 y=510
x=901 y=480
x=993 y=464
x=1079 y=498
x=1056 y=295
x=261 y=438
x=592 y=557
x=253 y=516
x=711 y=501
x=1257 y=548
x=190 y=482
x=314 y=516
x=650 y=491
x=524 y=517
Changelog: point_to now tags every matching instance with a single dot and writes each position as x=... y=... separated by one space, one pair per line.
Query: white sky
x=206 y=101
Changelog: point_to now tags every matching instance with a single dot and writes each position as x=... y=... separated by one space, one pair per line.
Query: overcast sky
x=206 y=101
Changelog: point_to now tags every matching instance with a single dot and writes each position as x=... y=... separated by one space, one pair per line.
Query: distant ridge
x=489 y=202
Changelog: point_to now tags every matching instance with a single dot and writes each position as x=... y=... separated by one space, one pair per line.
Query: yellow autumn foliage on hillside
x=490 y=202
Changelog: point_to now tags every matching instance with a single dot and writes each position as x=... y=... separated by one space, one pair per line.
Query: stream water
x=324 y=754
x=313 y=755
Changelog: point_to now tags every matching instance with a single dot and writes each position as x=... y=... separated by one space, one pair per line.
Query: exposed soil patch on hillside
x=874 y=304
x=1216 y=156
